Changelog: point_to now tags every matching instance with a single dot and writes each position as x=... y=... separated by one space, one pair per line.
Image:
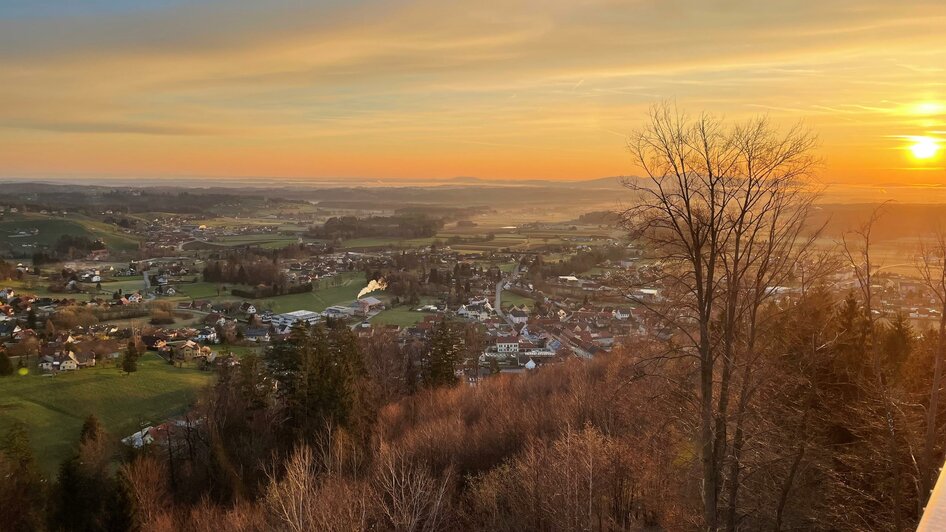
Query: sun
x=924 y=147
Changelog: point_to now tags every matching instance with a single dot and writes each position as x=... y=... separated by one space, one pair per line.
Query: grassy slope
x=51 y=228
x=509 y=299
x=54 y=407
x=320 y=298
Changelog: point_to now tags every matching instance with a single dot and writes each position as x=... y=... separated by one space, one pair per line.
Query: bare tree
x=724 y=208
x=409 y=497
x=291 y=500
x=858 y=250
x=931 y=265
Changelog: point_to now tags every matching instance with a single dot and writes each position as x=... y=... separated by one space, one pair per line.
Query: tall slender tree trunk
x=735 y=464
x=710 y=469
x=930 y=445
x=787 y=487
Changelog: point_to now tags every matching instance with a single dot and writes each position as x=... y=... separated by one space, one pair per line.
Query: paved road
x=498 y=305
x=148 y=295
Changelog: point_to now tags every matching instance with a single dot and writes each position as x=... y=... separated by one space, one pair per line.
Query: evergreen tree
x=6 y=366
x=92 y=429
x=22 y=488
x=130 y=359
x=446 y=345
x=121 y=514
x=898 y=340
x=85 y=488
x=319 y=374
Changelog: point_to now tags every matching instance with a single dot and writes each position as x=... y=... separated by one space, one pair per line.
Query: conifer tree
x=85 y=487
x=6 y=366
x=22 y=488
x=130 y=359
x=446 y=345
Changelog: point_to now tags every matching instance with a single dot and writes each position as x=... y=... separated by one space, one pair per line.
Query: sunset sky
x=436 y=89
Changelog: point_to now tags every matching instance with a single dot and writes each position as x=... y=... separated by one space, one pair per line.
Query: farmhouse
x=256 y=334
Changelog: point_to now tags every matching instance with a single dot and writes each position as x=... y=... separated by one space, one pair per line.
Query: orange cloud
x=431 y=89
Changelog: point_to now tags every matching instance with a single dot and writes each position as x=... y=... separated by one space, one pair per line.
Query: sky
x=412 y=89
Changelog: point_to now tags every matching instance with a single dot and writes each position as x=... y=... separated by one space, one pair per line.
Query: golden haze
x=421 y=89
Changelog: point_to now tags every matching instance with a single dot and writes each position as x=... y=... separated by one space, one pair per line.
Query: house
x=507 y=344
x=518 y=316
x=140 y=439
x=9 y=328
x=46 y=363
x=165 y=290
x=646 y=295
x=214 y=318
x=59 y=362
x=247 y=308
x=208 y=335
x=476 y=311
x=155 y=342
x=256 y=334
x=188 y=350
x=622 y=313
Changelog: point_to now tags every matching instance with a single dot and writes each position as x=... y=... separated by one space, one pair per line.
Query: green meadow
x=54 y=407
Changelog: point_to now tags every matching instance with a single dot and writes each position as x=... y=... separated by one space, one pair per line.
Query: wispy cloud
x=426 y=88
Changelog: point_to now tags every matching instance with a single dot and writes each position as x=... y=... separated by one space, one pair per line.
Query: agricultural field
x=54 y=407
x=50 y=228
x=264 y=240
x=206 y=290
x=386 y=242
x=30 y=285
x=339 y=290
x=897 y=256
x=402 y=316
x=509 y=299
x=127 y=285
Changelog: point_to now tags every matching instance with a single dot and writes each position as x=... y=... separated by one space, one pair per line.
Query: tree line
x=407 y=225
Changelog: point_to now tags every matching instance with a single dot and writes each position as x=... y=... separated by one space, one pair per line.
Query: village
x=197 y=293
x=100 y=309
x=523 y=319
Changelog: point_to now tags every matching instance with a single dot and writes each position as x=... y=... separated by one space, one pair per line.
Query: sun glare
x=927 y=108
x=924 y=147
